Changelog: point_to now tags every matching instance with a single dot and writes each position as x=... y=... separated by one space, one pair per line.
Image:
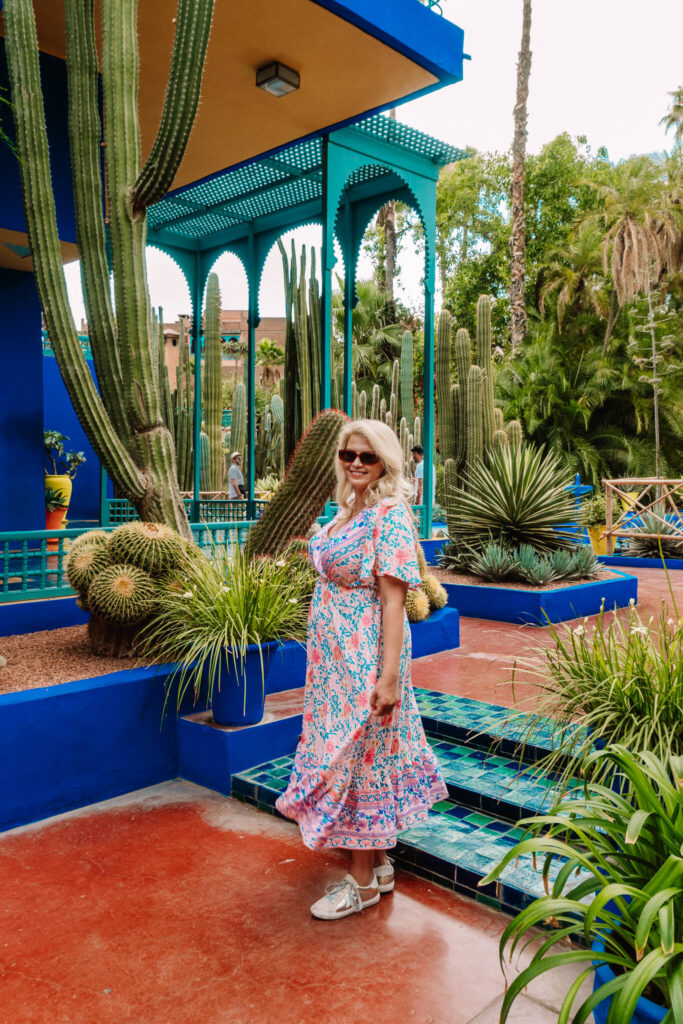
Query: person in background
x=417 y=451
x=236 y=490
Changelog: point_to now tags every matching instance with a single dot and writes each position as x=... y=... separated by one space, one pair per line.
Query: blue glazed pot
x=241 y=696
x=646 y=1012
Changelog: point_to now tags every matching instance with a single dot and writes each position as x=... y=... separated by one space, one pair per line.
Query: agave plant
x=668 y=541
x=518 y=494
x=497 y=562
x=619 y=850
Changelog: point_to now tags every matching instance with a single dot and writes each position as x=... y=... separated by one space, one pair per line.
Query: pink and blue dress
x=358 y=780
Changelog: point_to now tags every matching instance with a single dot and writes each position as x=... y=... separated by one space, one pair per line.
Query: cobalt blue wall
x=21 y=404
x=53 y=77
x=59 y=415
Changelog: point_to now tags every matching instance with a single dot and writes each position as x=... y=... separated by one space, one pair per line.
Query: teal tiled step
x=481 y=725
x=491 y=782
x=455 y=846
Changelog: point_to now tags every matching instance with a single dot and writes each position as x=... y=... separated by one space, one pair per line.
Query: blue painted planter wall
x=67 y=746
x=623 y=561
x=31 y=616
x=646 y=1011
x=59 y=414
x=504 y=604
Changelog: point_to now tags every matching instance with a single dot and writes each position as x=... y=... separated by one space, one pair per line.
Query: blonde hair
x=392 y=484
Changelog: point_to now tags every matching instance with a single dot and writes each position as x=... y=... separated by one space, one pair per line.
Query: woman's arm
x=392 y=596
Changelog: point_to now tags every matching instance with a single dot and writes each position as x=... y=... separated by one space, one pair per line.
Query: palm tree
x=518 y=319
x=238 y=349
x=376 y=335
x=268 y=355
x=573 y=273
x=674 y=116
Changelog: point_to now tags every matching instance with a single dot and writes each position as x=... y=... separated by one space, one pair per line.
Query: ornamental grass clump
x=620 y=681
x=229 y=602
x=616 y=853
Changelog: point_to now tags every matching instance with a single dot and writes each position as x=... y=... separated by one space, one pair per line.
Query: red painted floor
x=177 y=906
x=480 y=668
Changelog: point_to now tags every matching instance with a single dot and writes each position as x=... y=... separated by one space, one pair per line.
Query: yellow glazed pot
x=62 y=484
x=628 y=503
x=598 y=540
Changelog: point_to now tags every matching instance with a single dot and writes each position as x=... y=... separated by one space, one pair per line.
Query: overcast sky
x=600 y=68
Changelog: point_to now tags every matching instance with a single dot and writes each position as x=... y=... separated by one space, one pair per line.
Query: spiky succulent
x=123 y=594
x=436 y=594
x=417 y=606
x=92 y=538
x=150 y=546
x=648 y=547
x=84 y=562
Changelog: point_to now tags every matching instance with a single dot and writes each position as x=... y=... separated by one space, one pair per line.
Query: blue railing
x=205 y=510
x=32 y=563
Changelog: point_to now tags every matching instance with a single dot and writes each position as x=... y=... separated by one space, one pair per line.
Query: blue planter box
x=440 y=632
x=70 y=745
x=626 y=562
x=431 y=548
x=537 y=607
x=30 y=616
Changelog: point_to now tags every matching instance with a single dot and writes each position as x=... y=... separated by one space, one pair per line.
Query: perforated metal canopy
x=291 y=179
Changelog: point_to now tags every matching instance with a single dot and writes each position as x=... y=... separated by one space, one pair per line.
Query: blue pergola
x=339 y=180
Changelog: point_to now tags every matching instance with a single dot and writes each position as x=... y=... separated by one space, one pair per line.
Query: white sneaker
x=344 y=898
x=384 y=876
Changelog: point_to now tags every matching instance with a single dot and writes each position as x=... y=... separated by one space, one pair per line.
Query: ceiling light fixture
x=277 y=79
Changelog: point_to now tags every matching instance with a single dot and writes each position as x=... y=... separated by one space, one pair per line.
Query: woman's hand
x=384 y=697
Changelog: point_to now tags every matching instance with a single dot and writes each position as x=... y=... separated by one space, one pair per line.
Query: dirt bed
x=447 y=576
x=53 y=656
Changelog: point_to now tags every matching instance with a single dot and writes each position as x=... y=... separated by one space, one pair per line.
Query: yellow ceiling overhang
x=344 y=73
x=13 y=255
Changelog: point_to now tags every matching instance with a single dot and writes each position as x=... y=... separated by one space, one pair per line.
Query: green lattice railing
x=32 y=564
x=208 y=510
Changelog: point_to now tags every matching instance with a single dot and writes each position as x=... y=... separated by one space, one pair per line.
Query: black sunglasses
x=366 y=458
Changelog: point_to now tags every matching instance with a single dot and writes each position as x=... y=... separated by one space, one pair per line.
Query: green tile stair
x=465 y=836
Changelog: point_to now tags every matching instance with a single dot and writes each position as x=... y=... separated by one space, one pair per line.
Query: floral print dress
x=358 y=780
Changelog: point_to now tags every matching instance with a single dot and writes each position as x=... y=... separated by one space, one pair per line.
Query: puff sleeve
x=390 y=547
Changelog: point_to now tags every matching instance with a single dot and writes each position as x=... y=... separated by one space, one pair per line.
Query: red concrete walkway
x=176 y=906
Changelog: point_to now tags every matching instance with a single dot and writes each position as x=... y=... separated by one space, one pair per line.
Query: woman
x=363 y=769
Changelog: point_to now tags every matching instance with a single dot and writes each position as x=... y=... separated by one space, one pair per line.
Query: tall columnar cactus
x=407 y=379
x=354 y=401
x=213 y=382
x=486 y=363
x=500 y=440
x=463 y=358
x=374 y=411
x=238 y=427
x=393 y=404
x=363 y=405
x=475 y=420
x=447 y=438
x=308 y=483
x=184 y=415
x=303 y=312
x=417 y=430
x=499 y=421
x=124 y=421
x=514 y=433
x=451 y=482
x=204 y=462
x=277 y=409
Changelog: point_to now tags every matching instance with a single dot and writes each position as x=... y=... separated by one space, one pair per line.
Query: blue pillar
x=21 y=407
x=329 y=207
x=428 y=427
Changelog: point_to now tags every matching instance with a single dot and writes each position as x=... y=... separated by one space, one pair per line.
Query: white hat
x=235 y=454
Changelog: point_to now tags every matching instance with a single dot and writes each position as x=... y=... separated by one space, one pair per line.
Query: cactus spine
x=308 y=483
x=447 y=438
x=213 y=390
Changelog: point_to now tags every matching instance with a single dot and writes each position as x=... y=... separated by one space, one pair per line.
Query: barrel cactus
x=150 y=546
x=417 y=606
x=122 y=594
x=84 y=562
x=436 y=593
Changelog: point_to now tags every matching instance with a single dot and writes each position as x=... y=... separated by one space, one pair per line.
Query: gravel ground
x=52 y=656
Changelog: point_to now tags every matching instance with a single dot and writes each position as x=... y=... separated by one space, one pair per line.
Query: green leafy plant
x=593 y=510
x=618 y=856
x=229 y=602
x=618 y=682
x=497 y=562
x=518 y=494
x=54 y=500
x=53 y=443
